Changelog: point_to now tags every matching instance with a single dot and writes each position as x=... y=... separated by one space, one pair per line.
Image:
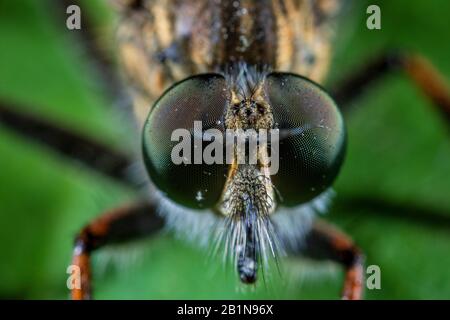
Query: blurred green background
x=399 y=151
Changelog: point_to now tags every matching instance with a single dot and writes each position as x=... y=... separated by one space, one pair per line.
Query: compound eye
x=312 y=137
x=192 y=182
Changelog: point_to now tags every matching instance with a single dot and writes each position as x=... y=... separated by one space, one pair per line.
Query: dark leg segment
x=103 y=159
x=116 y=226
x=422 y=73
x=407 y=211
x=327 y=242
x=89 y=38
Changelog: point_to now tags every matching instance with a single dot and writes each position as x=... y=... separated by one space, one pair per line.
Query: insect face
x=308 y=148
x=311 y=136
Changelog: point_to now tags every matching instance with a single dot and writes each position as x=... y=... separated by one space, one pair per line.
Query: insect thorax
x=161 y=42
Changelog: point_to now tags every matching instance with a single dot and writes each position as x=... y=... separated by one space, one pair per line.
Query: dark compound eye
x=199 y=98
x=312 y=149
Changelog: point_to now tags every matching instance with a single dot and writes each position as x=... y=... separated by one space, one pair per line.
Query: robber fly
x=236 y=65
x=243 y=64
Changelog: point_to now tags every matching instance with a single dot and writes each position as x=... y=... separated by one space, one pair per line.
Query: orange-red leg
x=419 y=69
x=327 y=242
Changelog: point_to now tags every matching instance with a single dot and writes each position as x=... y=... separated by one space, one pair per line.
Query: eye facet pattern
x=312 y=137
x=198 y=98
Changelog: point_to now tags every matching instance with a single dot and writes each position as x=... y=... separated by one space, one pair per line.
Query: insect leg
x=399 y=210
x=116 y=226
x=326 y=242
x=105 y=160
x=101 y=62
x=420 y=70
